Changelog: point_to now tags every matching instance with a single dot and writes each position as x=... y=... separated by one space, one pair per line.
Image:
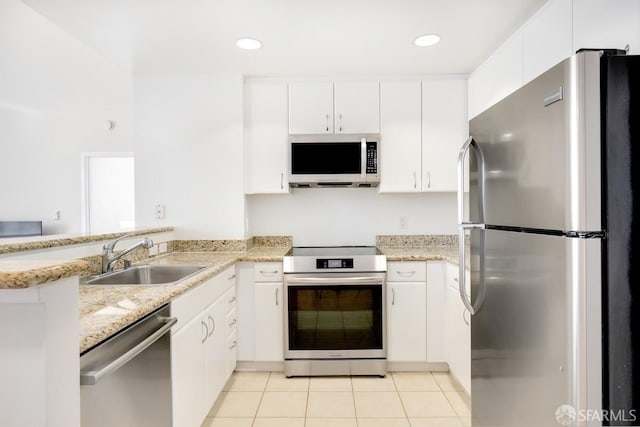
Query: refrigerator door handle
x=463 y=226
x=472 y=308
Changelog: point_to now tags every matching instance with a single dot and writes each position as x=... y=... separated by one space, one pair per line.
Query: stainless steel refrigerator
x=552 y=247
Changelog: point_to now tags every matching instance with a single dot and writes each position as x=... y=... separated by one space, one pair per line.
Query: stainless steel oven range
x=335 y=319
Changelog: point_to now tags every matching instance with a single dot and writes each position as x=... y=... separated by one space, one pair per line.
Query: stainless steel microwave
x=340 y=160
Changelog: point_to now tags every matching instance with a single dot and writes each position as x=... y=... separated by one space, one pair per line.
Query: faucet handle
x=147 y=243
x=109 y=246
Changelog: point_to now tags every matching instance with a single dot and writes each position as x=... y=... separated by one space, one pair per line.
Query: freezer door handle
x=469 y=144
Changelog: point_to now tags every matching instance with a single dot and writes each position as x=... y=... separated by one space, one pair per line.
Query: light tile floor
x=401 y=399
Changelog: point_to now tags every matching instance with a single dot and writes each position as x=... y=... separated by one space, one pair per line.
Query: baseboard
x=252 y=366
x=417 y=366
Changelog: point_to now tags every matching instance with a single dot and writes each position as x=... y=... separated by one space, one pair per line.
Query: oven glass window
x=335 y=317
x=326 y=158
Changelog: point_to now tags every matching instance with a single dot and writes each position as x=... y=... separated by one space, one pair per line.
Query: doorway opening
x=108 y=192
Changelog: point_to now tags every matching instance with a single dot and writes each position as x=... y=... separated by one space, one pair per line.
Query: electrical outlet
x=56 y=215
x=153 y=250
x=162 y=247
x=159 y=211
x=404 y=223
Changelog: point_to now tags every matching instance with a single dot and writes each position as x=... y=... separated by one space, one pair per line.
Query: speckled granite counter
x=426 y=253
x=104 y=310
x=20 y=244
x=17 y=274
x=419 y=247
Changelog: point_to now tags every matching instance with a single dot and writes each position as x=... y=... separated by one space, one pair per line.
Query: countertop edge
x=62 y=240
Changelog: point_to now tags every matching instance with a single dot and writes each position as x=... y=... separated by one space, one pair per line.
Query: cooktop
x=334 y=251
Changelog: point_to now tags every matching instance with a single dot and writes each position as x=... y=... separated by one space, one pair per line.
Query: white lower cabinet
x=458 y=327
x=436 y=311
x=269 y=322
x=407 y=321
x=188 y=384
x=201 y=360
x=406 y=312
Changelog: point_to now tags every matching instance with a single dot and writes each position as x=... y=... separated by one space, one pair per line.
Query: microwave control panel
x=372 y=157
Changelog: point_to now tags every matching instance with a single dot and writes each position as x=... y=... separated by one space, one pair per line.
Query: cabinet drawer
x=232 y=321
x=230 y=299
x=267 y=272
x=412 y=271
x=196 y=299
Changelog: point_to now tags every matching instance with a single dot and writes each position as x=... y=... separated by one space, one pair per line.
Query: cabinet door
x=311 y=107
x=216 y=349
x=266 y=137
x=436 y=312
x=188 y=386
x=407 y=321
x=444 y=130
x=547 y=38
x=458 y=327
x=498 y=76
x=269 y=322
x=357 y=107
x=400 y=132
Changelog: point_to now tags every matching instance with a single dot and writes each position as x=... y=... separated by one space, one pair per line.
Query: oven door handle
x=363 y=280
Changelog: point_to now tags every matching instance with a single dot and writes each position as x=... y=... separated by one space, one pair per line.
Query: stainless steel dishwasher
x=126 y=380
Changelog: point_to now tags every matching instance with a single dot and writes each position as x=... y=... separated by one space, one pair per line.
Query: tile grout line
x=406 y=415
x=264 y=389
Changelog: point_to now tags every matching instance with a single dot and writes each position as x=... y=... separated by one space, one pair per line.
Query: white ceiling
x=300 y=37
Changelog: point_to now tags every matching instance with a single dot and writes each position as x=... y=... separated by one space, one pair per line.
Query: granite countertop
x=20 y=244
x=105 y=310
x=425 y=253
x=18 y=274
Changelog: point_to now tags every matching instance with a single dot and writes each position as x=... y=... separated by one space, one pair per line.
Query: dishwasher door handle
x=92 y=377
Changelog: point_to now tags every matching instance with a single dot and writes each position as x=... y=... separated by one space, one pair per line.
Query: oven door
x=335 y=316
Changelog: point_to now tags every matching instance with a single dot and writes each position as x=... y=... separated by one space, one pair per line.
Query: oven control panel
x=326 y=263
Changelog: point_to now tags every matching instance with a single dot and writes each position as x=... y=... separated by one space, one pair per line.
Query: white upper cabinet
x=444 y=130
x=498 y=76
x=547 y=38
x=266 y=137
x=357 y=107
x=400 y=132
x=325 y=107
x=609 y=24
x=556 y=31
x=311 y=107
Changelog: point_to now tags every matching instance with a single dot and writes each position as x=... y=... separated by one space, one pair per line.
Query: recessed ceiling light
x=427 y=40
x=249 y=44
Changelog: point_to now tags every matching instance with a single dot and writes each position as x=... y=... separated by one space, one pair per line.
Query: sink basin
x=147 y=275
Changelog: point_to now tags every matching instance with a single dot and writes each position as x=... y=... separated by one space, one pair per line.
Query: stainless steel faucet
x=109 y=258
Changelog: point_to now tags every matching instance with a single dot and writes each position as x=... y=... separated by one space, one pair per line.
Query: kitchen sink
x=147 y=275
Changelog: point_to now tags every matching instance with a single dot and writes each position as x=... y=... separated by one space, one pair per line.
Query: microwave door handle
x=363 y=157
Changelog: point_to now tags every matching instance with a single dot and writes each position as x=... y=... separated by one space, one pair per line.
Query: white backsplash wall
x=349 y=216
x=188 y=148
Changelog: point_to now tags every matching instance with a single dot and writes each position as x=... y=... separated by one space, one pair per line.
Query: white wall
x=55 y=95
x=189 y=152
x=349 y=216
